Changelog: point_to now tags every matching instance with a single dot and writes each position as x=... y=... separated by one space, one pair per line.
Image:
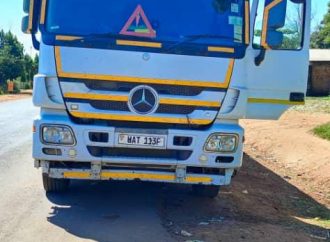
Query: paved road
x=90 y=211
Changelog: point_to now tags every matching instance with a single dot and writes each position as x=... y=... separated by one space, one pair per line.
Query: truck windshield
x=203 y=22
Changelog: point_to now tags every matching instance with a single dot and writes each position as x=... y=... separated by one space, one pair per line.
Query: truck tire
x=55 y=185
x=206 y=191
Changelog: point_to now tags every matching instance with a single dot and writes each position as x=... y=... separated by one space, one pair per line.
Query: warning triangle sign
x=138 y=25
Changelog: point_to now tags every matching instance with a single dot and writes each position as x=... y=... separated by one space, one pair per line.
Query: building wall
x=319 y=78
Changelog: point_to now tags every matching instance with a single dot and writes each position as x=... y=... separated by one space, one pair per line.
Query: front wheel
x=206 y=191
x=54 y=185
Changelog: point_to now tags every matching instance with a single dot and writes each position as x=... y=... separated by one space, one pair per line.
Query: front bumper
x=168 y=169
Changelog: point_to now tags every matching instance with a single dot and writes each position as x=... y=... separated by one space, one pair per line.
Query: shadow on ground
x=259 y=206
x=109 y=211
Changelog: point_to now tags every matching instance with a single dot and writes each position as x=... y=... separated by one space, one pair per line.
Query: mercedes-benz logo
x=143 y=100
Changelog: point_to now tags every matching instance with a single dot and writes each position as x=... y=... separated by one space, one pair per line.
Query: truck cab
x=154 y=90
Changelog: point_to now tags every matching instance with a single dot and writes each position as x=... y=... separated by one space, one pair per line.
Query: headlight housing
x=57 y=135
x=222 y=143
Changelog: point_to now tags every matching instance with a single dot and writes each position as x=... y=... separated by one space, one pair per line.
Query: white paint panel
x=125 y=63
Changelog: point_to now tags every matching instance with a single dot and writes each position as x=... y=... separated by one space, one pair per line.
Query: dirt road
x=281 y=193
x=12 y=97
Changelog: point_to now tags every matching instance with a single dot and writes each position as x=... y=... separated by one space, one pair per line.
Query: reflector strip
x=118 y=98
x=77 y=175
x=187 y=102
x=247 y=22
x=192 y=179
x=139 y=43
x=142 y=176
x=108 y=175
x=274 y=101
x=31 y=14
x=143 y=80
x=43 y=12
x=130 y=118
x=221 y=49
x=99 y=97
x=67 y=38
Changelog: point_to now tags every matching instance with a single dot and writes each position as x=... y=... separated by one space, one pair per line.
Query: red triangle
x=136 y=16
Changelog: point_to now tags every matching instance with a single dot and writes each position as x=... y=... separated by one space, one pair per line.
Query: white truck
x=154 y=90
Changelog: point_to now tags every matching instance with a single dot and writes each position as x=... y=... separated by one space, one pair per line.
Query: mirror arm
x=260 y=57
x=35 y=42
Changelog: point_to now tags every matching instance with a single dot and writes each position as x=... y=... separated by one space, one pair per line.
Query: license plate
x=142 y=140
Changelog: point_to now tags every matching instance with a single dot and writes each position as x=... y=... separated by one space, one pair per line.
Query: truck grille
x=126 y=87
x=182 y=102
x=178 y=98
x=122 y=106
x=139 y=153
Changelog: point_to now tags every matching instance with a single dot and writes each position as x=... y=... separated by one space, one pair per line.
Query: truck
x=154 y=90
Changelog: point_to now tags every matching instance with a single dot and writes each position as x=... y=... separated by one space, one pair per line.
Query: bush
x=27 y=86
x=323 y=131
x=16 y=87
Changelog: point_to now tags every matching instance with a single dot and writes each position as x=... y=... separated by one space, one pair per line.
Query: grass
x=315 y=105
x=323 y=131
x=323 y=223
x=318 y=98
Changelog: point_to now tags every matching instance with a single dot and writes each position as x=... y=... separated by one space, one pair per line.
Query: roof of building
x=319 y=55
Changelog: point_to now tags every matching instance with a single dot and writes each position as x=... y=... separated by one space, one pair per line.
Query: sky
x=12 y=13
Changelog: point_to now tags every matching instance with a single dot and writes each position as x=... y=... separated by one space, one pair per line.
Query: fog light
x=50 y=151
x=203 y=158
x=72 y=153
x=221 y=143
x=74 y=107
x=58 y=135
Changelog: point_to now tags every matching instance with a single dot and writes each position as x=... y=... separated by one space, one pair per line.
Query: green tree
x=321 y=37
x=14 y=64
x=35 y=65
x=11 y=57
x=291 y=39
x=27 y=74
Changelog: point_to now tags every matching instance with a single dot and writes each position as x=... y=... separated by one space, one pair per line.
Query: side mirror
x=29 y=24
x=26 y=6
x=26 y=25
x=274 y=19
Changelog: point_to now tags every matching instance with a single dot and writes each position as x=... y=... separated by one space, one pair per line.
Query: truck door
x=277 y=70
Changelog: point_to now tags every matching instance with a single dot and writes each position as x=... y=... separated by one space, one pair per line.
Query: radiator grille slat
x=107 y=97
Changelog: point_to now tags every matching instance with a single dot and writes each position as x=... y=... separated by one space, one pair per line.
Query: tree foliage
x=321 y=37
x=13 y=62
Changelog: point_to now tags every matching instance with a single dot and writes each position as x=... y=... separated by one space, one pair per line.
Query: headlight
x=59 y=135
x=221 y=143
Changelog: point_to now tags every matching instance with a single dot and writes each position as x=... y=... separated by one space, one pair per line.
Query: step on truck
x=154 y=90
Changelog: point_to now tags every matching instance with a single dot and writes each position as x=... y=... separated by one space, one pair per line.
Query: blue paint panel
x=173 y=21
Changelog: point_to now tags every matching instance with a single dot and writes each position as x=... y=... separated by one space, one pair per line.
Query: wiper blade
x=192 y=38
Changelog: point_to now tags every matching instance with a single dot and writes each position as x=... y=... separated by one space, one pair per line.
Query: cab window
x=291 y=31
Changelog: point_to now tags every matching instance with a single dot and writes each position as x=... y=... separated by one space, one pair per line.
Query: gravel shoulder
x=13 y=97
x=282 y=192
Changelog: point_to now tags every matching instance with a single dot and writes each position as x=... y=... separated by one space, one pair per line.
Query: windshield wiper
x=187 y=38
x=192 y=38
